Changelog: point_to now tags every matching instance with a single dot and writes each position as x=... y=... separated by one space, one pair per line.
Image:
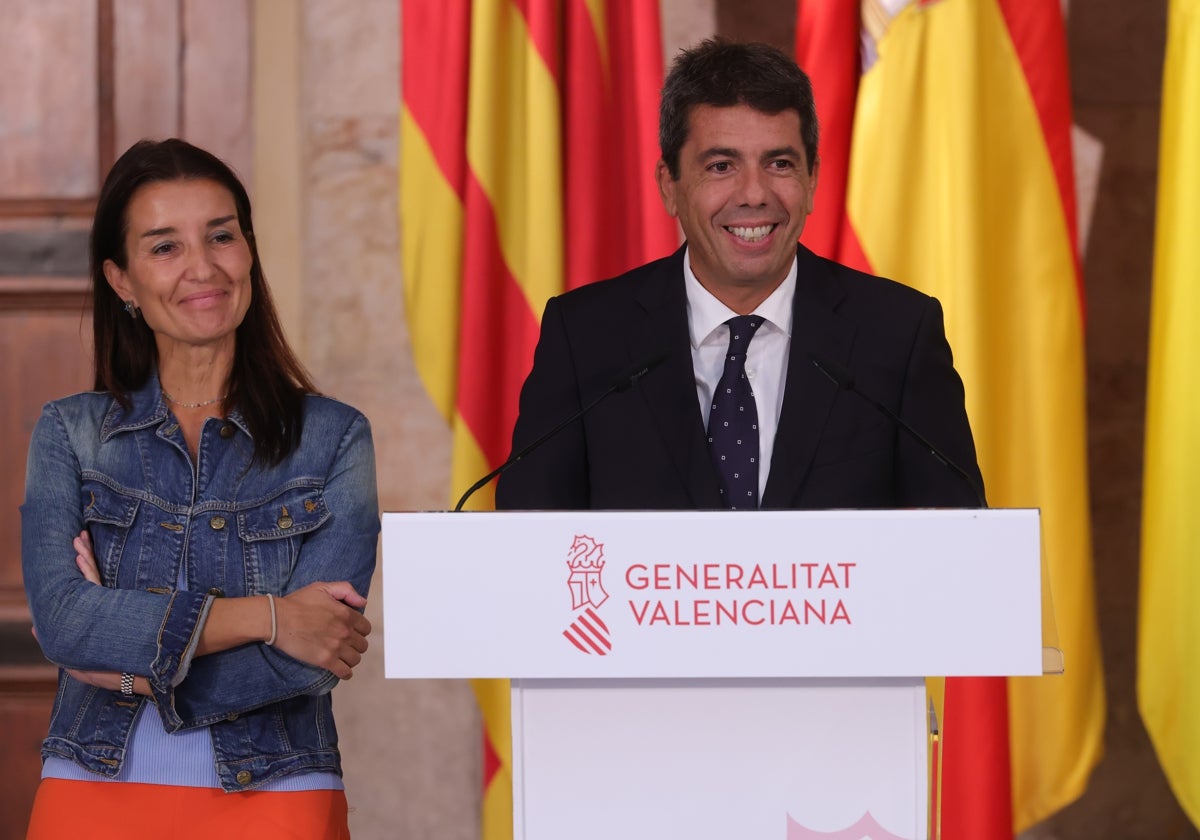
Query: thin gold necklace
x=181 y=404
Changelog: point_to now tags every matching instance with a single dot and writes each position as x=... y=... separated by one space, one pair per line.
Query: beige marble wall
x=412 y=749
x=327 y=98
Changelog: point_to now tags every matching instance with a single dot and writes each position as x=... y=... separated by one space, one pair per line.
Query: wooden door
x=80 y=80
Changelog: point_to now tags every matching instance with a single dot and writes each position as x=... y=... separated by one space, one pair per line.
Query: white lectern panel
x=746 y=759
x=730 y=594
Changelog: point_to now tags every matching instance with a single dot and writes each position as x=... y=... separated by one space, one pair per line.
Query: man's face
x=743 y=195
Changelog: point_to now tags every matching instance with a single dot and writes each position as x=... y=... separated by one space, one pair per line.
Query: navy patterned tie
x=733 y=421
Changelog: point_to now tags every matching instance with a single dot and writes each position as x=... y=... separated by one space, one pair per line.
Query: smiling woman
x=188 y=273
x=198 y=535
x=174 y=233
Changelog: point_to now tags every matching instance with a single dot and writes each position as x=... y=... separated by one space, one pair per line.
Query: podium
x=715 y=674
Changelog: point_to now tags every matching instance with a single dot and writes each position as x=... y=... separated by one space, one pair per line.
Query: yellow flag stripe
x=952 y=190
x=431 y=226
x=1168 y=686
x=491 y=694
x=493 y=699
x=496 y=809
x=595 y=10
x=469 y=464
x=514 y=146
x=514 y=152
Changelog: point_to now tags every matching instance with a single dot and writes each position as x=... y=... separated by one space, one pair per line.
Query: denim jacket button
x=243 y=777
x=232 y=716
x=220 y=593
x=227 y=431
x=217 y=523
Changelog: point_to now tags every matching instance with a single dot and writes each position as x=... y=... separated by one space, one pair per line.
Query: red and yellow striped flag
x=528 y=143
x=1168 y=689
x=959 y=181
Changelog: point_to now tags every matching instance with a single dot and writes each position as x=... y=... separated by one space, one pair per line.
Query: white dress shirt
x=766 y=359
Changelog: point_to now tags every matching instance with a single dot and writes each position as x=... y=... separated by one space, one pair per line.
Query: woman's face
x=188 y=264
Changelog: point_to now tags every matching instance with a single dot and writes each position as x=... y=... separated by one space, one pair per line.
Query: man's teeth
x=751 y=234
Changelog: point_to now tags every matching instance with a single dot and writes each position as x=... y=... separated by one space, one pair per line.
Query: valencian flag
x=528 y=143
x=1168 y=688
x=955 y=165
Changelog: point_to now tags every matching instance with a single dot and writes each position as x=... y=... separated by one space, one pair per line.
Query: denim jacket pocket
x=108 y=515
x=272 y=532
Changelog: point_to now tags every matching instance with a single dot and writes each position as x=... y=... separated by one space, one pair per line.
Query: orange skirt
x=122 y=810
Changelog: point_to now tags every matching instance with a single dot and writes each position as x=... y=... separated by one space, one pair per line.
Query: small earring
x=132 y=309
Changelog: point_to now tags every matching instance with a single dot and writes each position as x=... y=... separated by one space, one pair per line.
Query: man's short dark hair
x=725 y=73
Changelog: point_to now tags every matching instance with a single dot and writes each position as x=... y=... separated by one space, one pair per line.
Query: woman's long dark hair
x=267 y=383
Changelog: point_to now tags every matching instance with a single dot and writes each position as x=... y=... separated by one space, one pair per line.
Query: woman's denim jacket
x=236 y=528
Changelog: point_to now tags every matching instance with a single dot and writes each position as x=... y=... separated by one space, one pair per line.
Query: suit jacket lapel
x=670 y=392
x=808 y=394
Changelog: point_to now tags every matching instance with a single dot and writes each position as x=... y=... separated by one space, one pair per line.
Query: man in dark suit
x=736 y=414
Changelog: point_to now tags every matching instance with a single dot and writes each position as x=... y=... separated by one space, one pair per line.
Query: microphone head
x=834 y=372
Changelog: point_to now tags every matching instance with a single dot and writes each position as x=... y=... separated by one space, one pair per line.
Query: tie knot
x=741 y=330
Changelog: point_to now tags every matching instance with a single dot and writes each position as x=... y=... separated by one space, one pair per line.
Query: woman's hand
x=85 y=557
x=100 y=679
x=317 y=625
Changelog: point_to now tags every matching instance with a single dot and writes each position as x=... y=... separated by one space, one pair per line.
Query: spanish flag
x=528 y=142
x=1168 y=687
x=958 y=180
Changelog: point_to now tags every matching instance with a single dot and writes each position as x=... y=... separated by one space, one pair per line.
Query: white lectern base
x=697 y=759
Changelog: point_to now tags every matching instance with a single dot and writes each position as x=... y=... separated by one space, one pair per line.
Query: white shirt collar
x=706 y=313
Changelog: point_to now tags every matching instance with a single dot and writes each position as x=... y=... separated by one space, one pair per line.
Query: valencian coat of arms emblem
x=585 y=567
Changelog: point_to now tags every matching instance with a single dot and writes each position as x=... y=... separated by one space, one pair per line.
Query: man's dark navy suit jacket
x=645 y=448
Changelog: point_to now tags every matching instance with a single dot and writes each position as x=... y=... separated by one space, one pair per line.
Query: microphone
x=623 y=381
x=844 y=380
